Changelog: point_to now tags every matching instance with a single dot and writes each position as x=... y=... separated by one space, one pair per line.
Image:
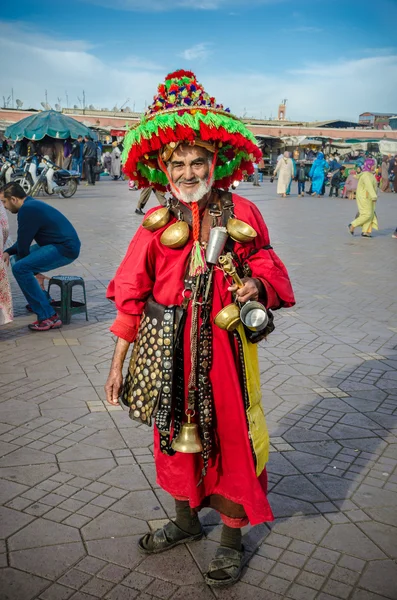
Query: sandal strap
x=169 y=534
x=226 y=558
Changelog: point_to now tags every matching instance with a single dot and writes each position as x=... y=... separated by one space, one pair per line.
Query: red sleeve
x=263 y=261
x=126 y=326
x=133 y=282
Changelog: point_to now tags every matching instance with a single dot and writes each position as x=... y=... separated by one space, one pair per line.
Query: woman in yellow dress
x=366 y=196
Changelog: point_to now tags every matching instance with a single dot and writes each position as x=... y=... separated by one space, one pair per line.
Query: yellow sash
x=258 y=432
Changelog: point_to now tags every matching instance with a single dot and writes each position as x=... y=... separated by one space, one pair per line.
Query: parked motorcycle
x=7 y=171
x=54 y=180
x=28 y=175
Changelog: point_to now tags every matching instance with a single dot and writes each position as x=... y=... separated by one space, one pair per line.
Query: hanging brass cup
x=176 y=235
x=228 y=318
x=156 y=220
x=240 y=231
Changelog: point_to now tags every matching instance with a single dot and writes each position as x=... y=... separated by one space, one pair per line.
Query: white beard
x=203 y=189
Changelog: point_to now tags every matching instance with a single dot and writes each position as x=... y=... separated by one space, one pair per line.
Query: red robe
x=149 y=268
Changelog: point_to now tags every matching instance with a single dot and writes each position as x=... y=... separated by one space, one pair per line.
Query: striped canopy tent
x=51 y=123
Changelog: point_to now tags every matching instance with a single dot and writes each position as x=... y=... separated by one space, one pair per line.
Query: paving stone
x=307 y=529
x=24 y=457
x=319 y=567
x=97 y=587
x=310 y=580
x=50 y=561
x=365 y=595
x=275 y=585
x=96 y=468
x=293 y=559
x=138 y=581
x=345 y=575
x=352 y=563
x=11 y=521
x=57 y=514
x=122 y=551
x=115 y=493
x=299 y=592
x=110 y=439
x=384 y=536
x=92 y=565
x=19 y=503
x=16 y=585
x=116 y=574
x=37 y=509
x=10 y=489
x=121 y=592
x=74 y=579
x=56 y=592
x=161 y=589
x=338 y=589
x=285 y=506
x=298 y=487
x=349 y=539
x=112 y=524
x=159 y=565
x=89 y=510
x=43 y=533
x=126 y=477
x=142 y=504
x=285 y=571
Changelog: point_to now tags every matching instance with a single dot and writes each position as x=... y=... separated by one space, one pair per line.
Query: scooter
x=29 y=175
x=7 y=170
x=54 y=180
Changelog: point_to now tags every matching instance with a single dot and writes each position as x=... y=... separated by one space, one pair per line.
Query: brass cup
x=157 y=219
x=240 y=231
x=228 y=318
x=176 y=235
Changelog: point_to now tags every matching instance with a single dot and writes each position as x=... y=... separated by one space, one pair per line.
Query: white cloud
x=318 y=90
x=197 y=52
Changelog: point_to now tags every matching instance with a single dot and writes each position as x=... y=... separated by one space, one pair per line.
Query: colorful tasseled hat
x=182 y=112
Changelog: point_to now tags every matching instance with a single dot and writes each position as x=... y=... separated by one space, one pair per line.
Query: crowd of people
x=361 y=181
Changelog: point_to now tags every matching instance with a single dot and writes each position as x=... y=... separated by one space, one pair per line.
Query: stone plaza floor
x=78 y=482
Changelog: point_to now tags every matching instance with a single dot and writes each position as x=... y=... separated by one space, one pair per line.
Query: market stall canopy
x=302 y=140
x=49 y=122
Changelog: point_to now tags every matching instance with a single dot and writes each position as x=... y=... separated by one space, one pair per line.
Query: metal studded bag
x=148 y=383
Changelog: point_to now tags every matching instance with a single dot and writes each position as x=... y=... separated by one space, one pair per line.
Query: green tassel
x=198 y=264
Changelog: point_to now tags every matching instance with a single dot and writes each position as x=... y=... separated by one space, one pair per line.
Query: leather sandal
x=166 y=538
x=230 y=561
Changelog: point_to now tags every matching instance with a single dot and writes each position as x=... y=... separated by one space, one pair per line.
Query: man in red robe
x=195 y=158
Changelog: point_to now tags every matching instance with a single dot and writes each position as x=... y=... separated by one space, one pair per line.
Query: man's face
x=189 y=168
x=9 y=203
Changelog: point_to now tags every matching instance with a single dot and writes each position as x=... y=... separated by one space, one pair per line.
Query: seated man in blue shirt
x=57 y=245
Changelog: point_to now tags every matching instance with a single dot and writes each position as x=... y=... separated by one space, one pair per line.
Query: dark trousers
x=145 y=195
x=301 y=187
x=89 y=170
x=332 y=189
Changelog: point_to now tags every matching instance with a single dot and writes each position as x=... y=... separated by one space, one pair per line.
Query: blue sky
x=329 y=59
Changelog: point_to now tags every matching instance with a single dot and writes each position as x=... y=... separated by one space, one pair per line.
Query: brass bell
x=156 y=220
x=176 y=235
x=240 y=231
x=188 y=440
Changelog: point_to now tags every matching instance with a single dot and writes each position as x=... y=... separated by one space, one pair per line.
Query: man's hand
x=113 y=386
x=114 y=382
x=250 y=290
x=6 y=258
